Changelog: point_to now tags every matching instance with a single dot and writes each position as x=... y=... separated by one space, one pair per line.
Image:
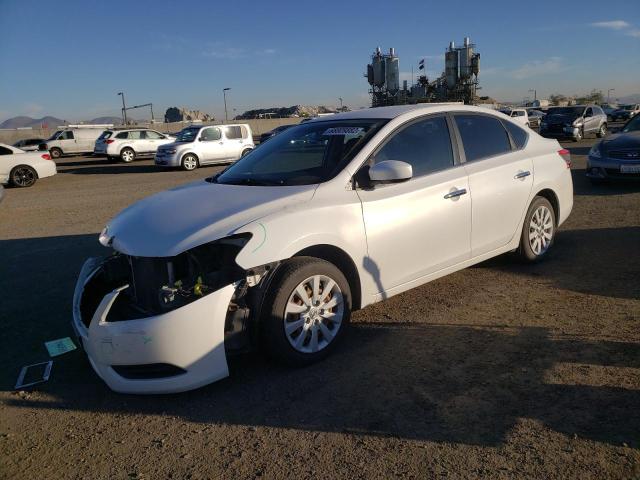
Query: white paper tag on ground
x=60 y=346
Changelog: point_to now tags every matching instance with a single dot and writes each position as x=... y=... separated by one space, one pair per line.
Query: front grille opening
x=148 y=372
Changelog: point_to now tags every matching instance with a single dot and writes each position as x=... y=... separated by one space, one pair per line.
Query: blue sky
x=69 y=59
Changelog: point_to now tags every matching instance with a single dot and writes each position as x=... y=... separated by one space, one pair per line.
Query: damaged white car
x=325 y=218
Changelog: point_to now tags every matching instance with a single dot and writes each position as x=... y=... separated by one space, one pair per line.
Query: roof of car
x=398 y=110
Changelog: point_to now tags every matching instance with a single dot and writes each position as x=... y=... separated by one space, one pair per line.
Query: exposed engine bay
x=156 y=285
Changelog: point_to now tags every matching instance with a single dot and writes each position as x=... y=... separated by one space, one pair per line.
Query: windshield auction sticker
x=343 y=131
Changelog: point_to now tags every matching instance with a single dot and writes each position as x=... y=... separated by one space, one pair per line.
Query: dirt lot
x=498 y=371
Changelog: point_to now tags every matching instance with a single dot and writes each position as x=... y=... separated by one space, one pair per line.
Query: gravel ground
x=498 y=371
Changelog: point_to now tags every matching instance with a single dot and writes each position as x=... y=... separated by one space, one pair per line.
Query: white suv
x=129 y=144
x=199 y=145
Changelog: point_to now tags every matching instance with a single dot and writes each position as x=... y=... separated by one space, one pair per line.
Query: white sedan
x=23 y=169
x=327 y=217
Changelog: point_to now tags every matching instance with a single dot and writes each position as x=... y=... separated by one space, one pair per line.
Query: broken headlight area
x=157 y=285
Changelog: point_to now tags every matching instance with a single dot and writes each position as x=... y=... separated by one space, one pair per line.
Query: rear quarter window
x=518 y=135
x=122 y=135
x=233 y=133
x=482 y=136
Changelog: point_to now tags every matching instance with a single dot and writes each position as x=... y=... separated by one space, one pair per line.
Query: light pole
x=535 y=94
x=224 y=94
x=124 y=109
x=609 y=93
x=340 y=98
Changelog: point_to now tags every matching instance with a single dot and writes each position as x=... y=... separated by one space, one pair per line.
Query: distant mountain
x=21 y=122
x=101 y=120
x=630 y=99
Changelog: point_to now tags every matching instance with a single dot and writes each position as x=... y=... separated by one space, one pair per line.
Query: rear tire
x=538 y=231
x=55 y=153
x=300 y=331
x=23 y=176
x=127 y=155
x=190 y=162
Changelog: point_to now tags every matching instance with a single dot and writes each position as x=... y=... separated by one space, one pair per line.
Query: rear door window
x=136 y=135
x=482 y=136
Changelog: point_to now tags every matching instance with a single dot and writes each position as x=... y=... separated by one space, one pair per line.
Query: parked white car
x=23 y=169
x=199 y=145
x=73 y=140
x=329 y=216
x=129 y=144
x=519 y=115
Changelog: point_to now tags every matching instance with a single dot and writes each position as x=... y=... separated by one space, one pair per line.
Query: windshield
x=187 y=134
x=55 y=135
x=632 y=125
x=571 y=111
x=306 y=154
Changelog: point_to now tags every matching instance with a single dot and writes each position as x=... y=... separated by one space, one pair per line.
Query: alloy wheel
x=313 y=314
x=23 y=177
x=190 y=162
x=541 y=230
x=127 y=156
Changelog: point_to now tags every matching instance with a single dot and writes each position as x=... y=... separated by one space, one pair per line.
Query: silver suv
x=198 y=145
x=574 y=122
x=129 y=144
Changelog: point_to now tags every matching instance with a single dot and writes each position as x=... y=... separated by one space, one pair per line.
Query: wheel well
x=23 y=165
x=189 y=153
x=343 y=261
x=553 y=199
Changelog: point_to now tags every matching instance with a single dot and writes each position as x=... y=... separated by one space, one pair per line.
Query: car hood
x=622 y=141
x=173 y=221
x=173 y=144
x=560 y=118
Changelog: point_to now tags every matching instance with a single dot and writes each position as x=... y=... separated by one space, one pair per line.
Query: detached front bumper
x=176 y=351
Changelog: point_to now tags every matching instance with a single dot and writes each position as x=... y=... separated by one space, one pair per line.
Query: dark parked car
x=266 y=136
x=574 y=122
x=625 y=112
x=29 y=144
x=617 y=156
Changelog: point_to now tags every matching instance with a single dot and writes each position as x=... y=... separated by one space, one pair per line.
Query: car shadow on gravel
x=600 y=261
x=444 y=383
x=453 y=384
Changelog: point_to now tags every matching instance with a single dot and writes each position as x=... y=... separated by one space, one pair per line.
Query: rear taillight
x=566 y=156
x=45 y=156
x=109 y=142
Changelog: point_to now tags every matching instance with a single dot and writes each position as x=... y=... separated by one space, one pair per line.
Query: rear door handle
x=455 y=193
x=522 y=174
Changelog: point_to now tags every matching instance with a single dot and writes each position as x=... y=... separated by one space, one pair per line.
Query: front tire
x=602 y=132
x=245 y=151
x=23 y=176
x=306 y=311
x=189 y=162
x=55 y=153
x=127 y=155
x=538 y=230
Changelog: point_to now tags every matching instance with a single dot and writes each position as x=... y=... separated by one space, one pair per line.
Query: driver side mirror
x=390 y=171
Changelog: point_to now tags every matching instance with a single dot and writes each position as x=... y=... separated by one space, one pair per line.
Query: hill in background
x=22 y=122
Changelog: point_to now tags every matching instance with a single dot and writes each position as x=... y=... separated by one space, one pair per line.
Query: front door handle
x=522 y=174
x=455 y=193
